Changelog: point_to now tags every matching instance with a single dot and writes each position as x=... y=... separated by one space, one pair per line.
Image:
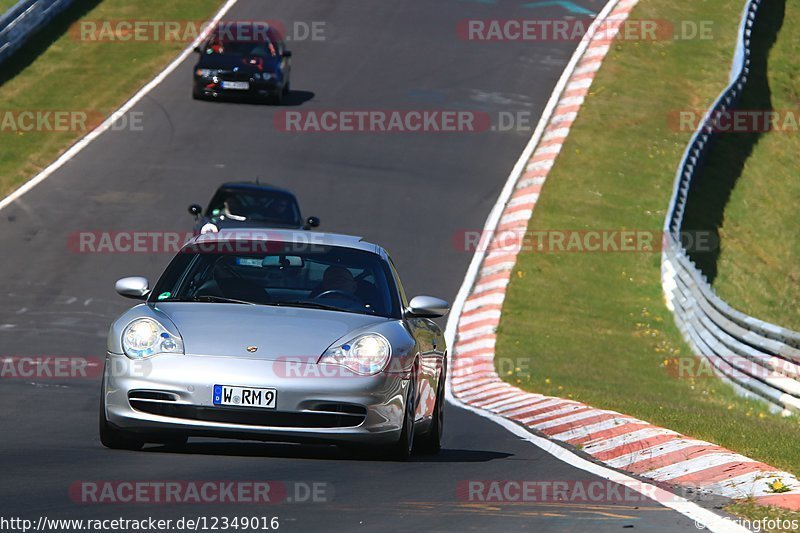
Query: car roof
x=252 y=186
x=292 y=236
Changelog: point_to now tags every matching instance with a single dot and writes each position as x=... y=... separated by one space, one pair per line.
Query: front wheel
x=404 y=446
x=431 y=443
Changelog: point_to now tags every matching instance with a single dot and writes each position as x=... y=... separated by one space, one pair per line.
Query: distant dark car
x=250 y=205
x=243 y=59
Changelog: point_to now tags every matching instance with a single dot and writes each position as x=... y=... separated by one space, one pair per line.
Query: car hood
x=229 y=62
x=227 y=330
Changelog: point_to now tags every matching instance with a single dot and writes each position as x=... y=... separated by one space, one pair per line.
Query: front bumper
x=258 y=88
x=315 y=403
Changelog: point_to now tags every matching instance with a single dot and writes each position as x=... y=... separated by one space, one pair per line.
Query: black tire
x=115 y=438
x=431 y=442
x=196 y=95
x=277 y=98
x=404 y=447
x=287 y=88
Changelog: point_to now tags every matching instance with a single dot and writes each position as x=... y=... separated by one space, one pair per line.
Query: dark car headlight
x=204 y=72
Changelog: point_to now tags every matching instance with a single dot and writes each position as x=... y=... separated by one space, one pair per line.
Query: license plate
x=245 y=397
x=236 y=85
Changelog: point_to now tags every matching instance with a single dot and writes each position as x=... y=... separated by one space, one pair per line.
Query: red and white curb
x=618 y=440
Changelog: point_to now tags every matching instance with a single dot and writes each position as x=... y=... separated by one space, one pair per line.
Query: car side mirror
x=195 y=210
x=134 y=287
x=426 y=307
x=312 y=222
x=198 y=50
x=287 y=53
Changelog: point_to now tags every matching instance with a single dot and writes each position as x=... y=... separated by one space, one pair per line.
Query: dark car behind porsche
x=243 y=60
x=239 y=205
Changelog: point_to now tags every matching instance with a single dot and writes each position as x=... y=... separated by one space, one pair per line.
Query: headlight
x=204 y=72
x=366 y=354
x=145 y=337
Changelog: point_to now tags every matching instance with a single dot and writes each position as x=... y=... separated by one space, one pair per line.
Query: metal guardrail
x=760 y=359
x=23 y=20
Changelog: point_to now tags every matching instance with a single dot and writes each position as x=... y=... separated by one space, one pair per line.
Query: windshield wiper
x=218 y=299
x=310 y=305
x=204 y=298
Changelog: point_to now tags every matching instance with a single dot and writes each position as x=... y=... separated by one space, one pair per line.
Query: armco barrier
x=23 y=20
x=760 y=359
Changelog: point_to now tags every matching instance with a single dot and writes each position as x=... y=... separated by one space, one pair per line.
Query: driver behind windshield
x=336 y=278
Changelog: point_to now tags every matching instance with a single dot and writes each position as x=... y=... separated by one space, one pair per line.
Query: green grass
x=594 y=326
x=763 y=514
x=5 y=5
x=58 y=71
x=757 y=269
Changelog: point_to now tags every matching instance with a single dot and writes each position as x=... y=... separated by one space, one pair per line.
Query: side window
x=403 y=298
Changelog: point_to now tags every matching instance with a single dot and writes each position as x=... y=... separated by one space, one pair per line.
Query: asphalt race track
x=411 y=192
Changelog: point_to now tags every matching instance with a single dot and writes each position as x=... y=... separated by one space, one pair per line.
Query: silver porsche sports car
x=276 y=335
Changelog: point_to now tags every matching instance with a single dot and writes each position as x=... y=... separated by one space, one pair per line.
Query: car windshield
x=281 y=274
x=240 y=48
x=272 y=207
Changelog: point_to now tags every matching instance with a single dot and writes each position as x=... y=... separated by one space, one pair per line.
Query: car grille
x=228 y=75
x=152 y=395
x=327 y=415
